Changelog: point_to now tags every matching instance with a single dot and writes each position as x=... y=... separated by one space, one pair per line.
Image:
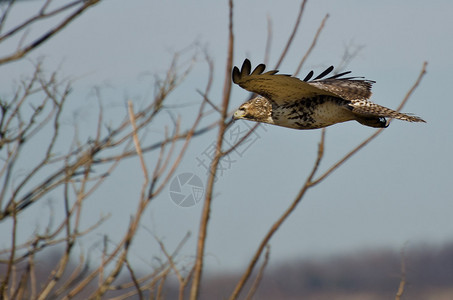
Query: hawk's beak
x=239 y=114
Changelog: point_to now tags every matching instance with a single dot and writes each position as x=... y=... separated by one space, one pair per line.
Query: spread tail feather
x=374 y=115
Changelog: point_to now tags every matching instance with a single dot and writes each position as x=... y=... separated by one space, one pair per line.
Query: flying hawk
x=287 y=101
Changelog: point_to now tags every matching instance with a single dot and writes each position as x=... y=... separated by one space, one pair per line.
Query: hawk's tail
x=374 y=115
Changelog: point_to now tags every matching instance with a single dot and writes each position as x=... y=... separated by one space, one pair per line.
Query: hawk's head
x=258 y=109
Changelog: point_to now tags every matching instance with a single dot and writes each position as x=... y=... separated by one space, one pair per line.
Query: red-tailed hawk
x=308 y=104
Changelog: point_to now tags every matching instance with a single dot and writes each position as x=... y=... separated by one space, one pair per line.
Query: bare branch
x=259 y=276
x=134 y=280
x=313 y=44
x=267 y=48
x=199 y=259
x=22 y=51
x=293 y=34
x=402 y=284
x=136 y=140
x=11 y=259
x=246 y=275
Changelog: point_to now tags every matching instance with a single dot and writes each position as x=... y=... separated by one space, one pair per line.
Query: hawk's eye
x=241 y=109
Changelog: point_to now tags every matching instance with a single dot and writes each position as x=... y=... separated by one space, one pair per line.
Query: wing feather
x=286 y=88
x=259 y=69
x=309 y=76
x=346 y=88
x=276 y=87
x=349 y=88
x=327 y=71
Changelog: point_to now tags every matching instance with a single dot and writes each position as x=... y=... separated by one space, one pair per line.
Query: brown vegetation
x=360 y=275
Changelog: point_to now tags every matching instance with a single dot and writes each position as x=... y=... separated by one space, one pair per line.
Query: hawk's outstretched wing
x=285 y=88
x=349 y=88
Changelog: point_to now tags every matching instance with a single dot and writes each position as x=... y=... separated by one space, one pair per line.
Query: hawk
x=287 y=101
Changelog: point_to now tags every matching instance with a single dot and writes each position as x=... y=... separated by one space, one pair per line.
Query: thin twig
x=205 y=97
x=7 y=276
x=134 y=280
x=267 y=48
x=155 y=276
x=402 y=283
x=259 y=276
x=242 y=139
x=138 y=148
x=293 y=34
x=37 y=42
x=313 y=44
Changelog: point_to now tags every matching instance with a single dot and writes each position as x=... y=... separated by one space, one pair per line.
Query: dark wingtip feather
x=245 y=71
x=236 y=75
x=259 y=69
x=327 y=71
x=309 y=75
x=341 y=74
x=246 y=67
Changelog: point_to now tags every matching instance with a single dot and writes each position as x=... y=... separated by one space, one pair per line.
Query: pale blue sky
x=397 y=190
